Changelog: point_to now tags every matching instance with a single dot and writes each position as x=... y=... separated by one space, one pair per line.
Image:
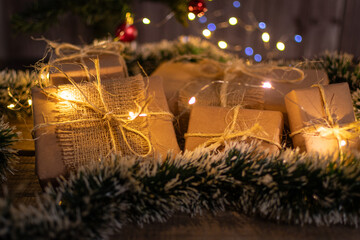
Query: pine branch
x=7 y=154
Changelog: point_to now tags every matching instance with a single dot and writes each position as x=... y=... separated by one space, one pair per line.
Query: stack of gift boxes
x=91 y=109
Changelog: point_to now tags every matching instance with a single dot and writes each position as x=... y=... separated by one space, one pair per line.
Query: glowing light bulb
x=191 y=16
x=262 y=25
x=280 y=46
x=11 y=106
x=249 y=51
x=265 y=37
x=146 y=21
x=298 y=38
x=257 y=57
x=192 y=100
x=236 y=4
x=29 y=102
x=211 y=27
x=44 y=76
x=233 y=21
x=342 y=143
x=60 y=203
x=266 y=85
x=66 y=95
x=131 y=116
x=222 y=44
x=206 y=33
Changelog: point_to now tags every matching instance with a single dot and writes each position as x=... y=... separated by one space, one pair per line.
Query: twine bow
x=218 y=139
x=67 y=51
x=344 y=132
x=122 y=120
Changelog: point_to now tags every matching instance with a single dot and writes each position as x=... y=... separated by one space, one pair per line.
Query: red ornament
x=198 y=7
x=126 y=32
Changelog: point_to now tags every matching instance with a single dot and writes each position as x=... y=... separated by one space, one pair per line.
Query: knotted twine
x=231 y=132
x=66 y=52
x=330 y=128
x=93 y=119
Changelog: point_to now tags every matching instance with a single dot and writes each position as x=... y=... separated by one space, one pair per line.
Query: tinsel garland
x=102 y=198
x=7 y=154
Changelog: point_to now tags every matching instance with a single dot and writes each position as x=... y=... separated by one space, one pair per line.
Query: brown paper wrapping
x=49 y=162
x=177 y=75
x=205 y=119
x=274 y=98
x=304 y=107
x=110 y=64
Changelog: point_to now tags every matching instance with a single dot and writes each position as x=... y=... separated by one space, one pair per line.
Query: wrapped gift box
x=52 y=152
x=274 y=98
x=214 y=120
x=178 y=75
x=110 y=64
x=305 y=109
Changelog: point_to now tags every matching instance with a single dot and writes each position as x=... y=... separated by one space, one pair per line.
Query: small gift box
x=210 y=127
x=73 y=60
x=322 y=118
x=178 y=75
x=75 y=125
x=274 y=96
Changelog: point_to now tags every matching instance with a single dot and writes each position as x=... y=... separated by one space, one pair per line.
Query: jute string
x=96 y=122
x=231 y=132
x=69 y=52
x=331 y=128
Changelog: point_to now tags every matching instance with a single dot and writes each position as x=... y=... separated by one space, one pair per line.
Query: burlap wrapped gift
x=322 y=118
x=71 y=130
x=77 y=62
x=210 y=127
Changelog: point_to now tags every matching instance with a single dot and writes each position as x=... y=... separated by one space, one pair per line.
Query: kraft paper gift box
x=214 y=121
x=52 y=152
x=306 y=108
x=178 y=75
x=274 y=98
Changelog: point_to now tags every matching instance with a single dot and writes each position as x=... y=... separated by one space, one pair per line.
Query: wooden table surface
x=23 y=186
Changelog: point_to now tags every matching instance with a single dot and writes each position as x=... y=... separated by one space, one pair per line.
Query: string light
x=262 y=25
x=222 y=44
x=11 y=106
x=280 y=46
x=342 y=143
x=211 y=27
x=298 y=38
x=191 y=16
x=249 y=51
x=132 y=115
x=44 y=76
x=257 y=58
x=233 y=21
x=206 y=33
x=66 y=95
x=236 y=4
x=30 y=102
x=266 y=85
x=265 y=37
x=203 y=19
x=146 y=21
x=192 y=100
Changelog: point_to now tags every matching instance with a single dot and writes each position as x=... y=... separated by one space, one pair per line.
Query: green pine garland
x=104 y=197
x=7 y=154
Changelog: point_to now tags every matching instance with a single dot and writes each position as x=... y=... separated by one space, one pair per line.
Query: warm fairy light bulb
x=265 y=37
x=222 y=44
x=133 y=115
x=280 y=46
x=266 y=85
x=29 y=102
x=44 y=76
x=66 y=95
x=191 y=16
x=192 y=100
x=11 y=106
x=206 y=33
x=342 y=143
x=146 y=21
x=233 y=21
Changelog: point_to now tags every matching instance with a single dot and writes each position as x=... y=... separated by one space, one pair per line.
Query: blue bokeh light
x=203 y=19
x=211 y=27
x=236 y=4
x=262 y=25
x=298 y=38
x=257 y=58
x=249 y=51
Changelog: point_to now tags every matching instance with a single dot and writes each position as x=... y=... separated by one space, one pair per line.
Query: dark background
x=331 y=25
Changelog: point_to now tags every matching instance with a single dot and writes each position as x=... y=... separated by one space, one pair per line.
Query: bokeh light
x=262 y=25
x=298 y=38
x=249 y=51
x=280 y=46
x=211 y=27
x=236 y=4
x=265 y=37
x=191 y=16
x=233 y=21
x=257 y=58
x=222 y=44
